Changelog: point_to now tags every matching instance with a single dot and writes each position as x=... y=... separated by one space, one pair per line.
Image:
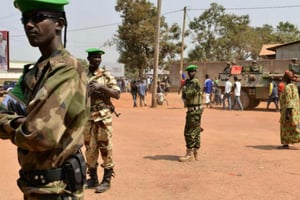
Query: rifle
x=107 y=101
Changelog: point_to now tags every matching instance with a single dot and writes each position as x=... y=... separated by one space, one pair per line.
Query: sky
x=91 y=23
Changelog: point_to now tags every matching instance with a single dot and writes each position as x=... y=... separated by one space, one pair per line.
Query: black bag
x=75 y=172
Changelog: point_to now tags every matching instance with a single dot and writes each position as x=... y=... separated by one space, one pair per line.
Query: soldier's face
x=192 y=73
x=40 y=27
x=95 y=60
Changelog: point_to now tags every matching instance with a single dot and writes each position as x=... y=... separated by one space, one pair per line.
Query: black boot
x=93 y=181
x=105 y=184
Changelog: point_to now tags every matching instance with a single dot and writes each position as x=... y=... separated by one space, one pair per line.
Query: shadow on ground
x=270 y=147
x=162 y=157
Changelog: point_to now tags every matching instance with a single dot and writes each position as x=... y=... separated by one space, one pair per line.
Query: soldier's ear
x=61 y=22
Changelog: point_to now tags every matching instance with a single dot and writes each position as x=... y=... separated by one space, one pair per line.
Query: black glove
x=16 y=107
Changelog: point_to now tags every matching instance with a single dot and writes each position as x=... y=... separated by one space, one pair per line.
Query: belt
x=42 y=177
x=194 y=108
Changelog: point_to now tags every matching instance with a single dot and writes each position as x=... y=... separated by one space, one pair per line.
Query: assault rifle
x=107 y=102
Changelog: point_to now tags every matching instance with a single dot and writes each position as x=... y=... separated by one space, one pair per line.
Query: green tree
x=286 y=32
x=135 y=36
x=216 y=35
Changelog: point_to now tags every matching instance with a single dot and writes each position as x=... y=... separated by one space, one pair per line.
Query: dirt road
x=238 y=157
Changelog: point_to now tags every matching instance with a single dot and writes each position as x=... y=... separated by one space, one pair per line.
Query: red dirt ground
x=238 y=157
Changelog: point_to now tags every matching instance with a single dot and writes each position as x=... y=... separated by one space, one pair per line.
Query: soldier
x=98 y=132
x=191 y=93
x=254 y=67
x=227 y=69
x=294 y=66
x=48 y=131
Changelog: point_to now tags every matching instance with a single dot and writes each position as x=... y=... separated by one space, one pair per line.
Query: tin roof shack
x=287 y=50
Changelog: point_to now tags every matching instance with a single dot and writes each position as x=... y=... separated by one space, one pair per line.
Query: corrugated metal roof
x=265 y=49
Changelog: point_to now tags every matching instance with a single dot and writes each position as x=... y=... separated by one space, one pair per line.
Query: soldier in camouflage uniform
x=191 y=93
x=48 y=132
x=98 y=132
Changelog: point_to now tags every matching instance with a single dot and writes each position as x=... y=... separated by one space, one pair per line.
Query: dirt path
x=238 y=157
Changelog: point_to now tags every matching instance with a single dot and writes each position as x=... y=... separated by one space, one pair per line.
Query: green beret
x=191 y=68
x=30 y=5
x=95 y=51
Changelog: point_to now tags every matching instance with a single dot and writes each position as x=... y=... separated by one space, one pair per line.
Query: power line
x=255 y=8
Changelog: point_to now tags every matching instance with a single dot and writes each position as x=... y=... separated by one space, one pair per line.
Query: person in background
x=281 y=85
x=191 y=93
x=98 y=131
x=182 y=81
x=237 y=93
x=294 y=66
x=48 y=130
x=134 y=92
x=208 y=88
x=289 y=111
x=227 y=93
x=142 y=91
x=254 y=67
x=227 y=69
x=273 y=94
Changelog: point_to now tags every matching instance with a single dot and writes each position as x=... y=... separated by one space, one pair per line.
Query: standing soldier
x=191 y=93
x=47 y=127
x=98 y=132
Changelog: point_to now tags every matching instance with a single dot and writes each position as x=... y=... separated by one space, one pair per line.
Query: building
x=287 y=50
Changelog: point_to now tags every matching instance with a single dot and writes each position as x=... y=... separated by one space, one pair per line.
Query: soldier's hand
x=17 y=122
x=95 y=86
x=16 y=108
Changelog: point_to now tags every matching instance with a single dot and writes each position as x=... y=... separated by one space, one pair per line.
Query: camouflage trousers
x=55 y=190
x=72 y=196
x=98 y=139
x=192 y=129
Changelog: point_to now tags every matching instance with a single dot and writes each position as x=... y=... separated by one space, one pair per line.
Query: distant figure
x=142 y=91
x=208 y=88
x=227 y=69
x=273 y=94
x=227 y=93
x=281 y=85
x=294 y=66
x=289 y=112
x=254 y=67
x=182 y=81
x=134 y=92
x=237 y=93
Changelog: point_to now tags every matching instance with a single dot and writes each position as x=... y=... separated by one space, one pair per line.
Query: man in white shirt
x=237 y=93
x=227 y=93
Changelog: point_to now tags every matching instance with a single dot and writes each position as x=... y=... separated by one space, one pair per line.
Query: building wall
x=289 y=51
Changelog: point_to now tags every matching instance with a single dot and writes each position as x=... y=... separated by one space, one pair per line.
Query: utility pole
x=156 y=54
x=182 y=41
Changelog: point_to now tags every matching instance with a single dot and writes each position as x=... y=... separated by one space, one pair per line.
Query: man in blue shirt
x=208 y=87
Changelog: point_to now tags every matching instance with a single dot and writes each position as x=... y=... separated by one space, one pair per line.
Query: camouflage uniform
x=192 y=98
x=53 y=130
x=98 y=130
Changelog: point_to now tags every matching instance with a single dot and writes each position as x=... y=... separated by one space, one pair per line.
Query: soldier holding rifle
x=98 y=131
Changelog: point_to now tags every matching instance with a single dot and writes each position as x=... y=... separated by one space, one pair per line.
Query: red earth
x=238 y=156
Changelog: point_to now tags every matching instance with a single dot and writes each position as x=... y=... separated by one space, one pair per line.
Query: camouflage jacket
x=56 y=102
x=191 y=92
x=99 y=108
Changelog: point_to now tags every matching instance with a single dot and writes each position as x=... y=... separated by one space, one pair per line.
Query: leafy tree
x=136 y=36
x=286 y=32
x=216 y=35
